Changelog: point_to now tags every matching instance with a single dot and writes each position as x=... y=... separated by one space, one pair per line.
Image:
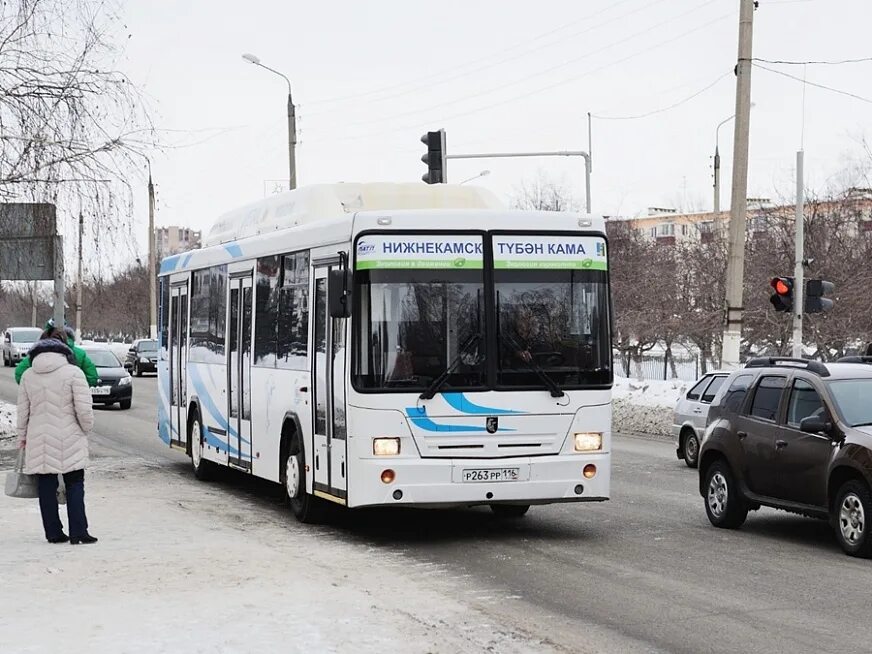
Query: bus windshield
x=413 y=324
x=552 y=321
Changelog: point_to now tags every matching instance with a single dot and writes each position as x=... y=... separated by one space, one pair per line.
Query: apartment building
x=172 y=240
x=668 y=227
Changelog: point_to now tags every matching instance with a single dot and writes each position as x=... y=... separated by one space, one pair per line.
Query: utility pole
x=79 y=281
x=799 y=258
x=34 y=297
x=152 y=265
x=292 y=142
x=730 y=353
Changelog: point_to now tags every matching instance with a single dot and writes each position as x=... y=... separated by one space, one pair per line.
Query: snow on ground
x=184 y=566
x=646 y=406
x=7 y=425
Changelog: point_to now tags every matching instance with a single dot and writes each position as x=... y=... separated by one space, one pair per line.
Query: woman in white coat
x=54 y=418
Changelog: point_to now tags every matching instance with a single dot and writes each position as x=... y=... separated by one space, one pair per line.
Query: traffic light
x=782 y=299
x=815 y=290
x=434 y=157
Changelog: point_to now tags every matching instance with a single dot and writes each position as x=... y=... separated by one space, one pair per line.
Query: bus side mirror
x=338 y=296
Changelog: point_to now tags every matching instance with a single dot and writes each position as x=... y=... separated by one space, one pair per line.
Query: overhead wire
x=417 y=85
x=815 y=84
x=835 y=62
x=671 y=106
x=542 y=72
x=535 y=91
x=451 y=69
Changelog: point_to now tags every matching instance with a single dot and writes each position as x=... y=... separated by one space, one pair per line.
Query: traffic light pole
x=561 y=153
x=799 y=257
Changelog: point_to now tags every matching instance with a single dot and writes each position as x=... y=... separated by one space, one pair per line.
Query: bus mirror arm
x=338 y=295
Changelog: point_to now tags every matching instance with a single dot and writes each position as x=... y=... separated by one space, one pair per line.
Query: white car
x=691 y=414
x=17 y=342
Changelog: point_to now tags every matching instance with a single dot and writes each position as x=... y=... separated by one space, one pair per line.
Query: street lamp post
x=483 y=173
x=292 y=121
x=717 y=184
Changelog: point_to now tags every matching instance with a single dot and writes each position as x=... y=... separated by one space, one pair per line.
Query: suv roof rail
x=787 y=362
x=856 y=359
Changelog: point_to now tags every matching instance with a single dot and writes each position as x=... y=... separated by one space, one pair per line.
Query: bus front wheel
x=306 y=508
x=203 y=469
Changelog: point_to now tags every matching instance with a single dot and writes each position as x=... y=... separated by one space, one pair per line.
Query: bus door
x=328 y=384
x=178 y=363
x=239 y=370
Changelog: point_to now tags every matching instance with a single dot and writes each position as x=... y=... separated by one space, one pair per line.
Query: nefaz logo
x=492 y=424
x=365 y=248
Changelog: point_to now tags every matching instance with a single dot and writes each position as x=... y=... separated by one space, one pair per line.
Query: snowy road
x=642 y=573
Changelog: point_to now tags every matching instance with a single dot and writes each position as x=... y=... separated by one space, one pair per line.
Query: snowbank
x=7 y=424
x=184 y=566
x=646 y=406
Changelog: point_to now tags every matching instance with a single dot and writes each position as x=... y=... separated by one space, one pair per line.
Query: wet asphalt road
x=643 y=572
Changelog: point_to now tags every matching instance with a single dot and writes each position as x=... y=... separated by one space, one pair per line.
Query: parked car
x=142 y=357
x=691 y=414
x=795 y=435
x=114 y=383
x=17 y=342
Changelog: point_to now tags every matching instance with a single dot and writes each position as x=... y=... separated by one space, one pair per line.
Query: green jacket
x=82 y=361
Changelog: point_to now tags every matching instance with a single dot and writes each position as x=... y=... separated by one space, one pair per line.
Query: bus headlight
x=588 y=441
x=386 y=446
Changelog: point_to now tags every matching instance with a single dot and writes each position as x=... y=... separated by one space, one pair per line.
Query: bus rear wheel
x=510 y=510
x=306 y=508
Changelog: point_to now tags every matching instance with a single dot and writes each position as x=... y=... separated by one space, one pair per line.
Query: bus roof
x=329 y=201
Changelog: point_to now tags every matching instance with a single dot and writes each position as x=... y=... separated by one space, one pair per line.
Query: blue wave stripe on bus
x=209 y=404
x=460 y=403
x=169 y=264
x=234 y=250
x=186 y=260
x=420 y=419
x=217 y=443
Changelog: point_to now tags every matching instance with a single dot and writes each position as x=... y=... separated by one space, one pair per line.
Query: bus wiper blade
x=550 y=384
x=436 y=384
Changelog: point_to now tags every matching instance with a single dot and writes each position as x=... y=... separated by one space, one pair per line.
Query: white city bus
x=393 y=344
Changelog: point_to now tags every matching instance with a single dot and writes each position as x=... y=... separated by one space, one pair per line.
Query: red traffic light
x=782 y=285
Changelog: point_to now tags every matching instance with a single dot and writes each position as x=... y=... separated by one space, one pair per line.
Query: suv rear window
x=736 y=393
x=767 y=398
x=713 y=389
x=695 y=392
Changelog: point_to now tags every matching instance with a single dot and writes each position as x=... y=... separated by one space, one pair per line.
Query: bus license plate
x=101 y=390
x=491 y=474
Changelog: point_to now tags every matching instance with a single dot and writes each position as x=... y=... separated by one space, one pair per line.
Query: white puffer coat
x=54 y=415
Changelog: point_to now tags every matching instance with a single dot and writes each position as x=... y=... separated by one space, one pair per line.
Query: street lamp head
x=250 y=58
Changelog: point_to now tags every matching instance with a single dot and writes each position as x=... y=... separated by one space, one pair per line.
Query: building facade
x=172 y=240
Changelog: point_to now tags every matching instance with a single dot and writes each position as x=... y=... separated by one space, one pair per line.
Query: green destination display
x=414 y=251
x=550 y=252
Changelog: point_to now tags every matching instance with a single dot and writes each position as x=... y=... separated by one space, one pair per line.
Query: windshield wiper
x=863 y=424
x=436 y=384
x=550 y=384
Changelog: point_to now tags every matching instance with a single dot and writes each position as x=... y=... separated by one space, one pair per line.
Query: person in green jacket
x=82 y=359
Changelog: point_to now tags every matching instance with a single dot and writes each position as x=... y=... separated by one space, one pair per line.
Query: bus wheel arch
x=204 y=469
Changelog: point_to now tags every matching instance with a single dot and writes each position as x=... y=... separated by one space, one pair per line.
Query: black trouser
x=48 y=504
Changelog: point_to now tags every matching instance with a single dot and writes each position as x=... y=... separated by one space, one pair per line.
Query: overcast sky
x=499 y=75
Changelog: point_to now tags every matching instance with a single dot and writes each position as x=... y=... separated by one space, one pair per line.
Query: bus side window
x=266 y=311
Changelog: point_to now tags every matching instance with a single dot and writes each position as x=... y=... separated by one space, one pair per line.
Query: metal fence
x=687 y=368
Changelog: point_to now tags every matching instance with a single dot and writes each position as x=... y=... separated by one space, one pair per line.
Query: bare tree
x=544 y=194
x=71 y=124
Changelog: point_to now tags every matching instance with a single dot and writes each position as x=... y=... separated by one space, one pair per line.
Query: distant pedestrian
x=54 y=418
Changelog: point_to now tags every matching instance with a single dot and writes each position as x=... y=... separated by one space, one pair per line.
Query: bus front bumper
x=444 y=482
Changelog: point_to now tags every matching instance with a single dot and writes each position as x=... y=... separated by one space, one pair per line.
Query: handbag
x=19 y=484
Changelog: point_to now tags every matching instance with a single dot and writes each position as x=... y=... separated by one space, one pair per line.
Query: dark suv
x=794 y=435
x=142 y=357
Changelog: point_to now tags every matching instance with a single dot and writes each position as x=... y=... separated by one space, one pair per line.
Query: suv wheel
x=690 y=448
x=724 y=504
x=853 y=511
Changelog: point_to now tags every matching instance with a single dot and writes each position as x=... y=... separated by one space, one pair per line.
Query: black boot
x=87 y=539
x=63 y=538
